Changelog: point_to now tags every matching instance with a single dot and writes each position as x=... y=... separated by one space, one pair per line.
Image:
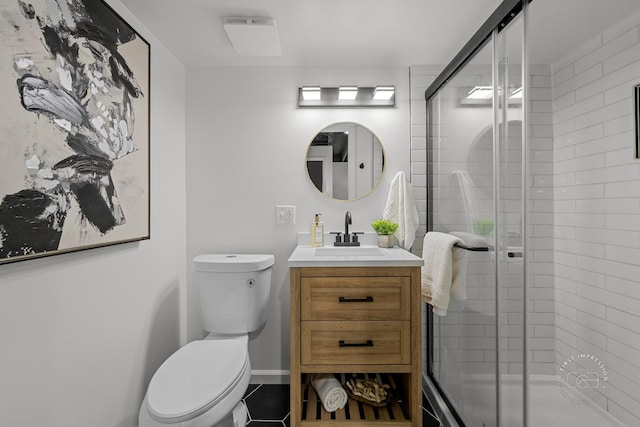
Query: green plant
x=483 y=227
x=384 y=226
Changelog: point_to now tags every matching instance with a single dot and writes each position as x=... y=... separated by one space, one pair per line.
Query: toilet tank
x=233 y=290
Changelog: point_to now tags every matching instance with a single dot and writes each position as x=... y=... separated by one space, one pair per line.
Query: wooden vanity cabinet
x=356 y=320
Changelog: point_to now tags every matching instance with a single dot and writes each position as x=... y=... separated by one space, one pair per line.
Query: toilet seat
x=196 y=378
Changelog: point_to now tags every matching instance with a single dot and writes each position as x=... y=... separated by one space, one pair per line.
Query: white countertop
x=305 y=256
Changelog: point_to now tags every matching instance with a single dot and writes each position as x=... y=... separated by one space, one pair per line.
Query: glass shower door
x=464 y=346
x=476 y=164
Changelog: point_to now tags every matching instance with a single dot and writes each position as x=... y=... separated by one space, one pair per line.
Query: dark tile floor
x=268 y=405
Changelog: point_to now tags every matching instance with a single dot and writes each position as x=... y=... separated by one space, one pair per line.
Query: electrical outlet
x=285 y=214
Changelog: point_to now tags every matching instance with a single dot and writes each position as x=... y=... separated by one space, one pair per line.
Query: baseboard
x=270 y=377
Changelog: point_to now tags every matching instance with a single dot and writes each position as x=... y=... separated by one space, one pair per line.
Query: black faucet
x=347 y=223
x=349 y=239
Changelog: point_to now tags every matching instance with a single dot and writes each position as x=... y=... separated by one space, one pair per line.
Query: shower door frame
x=507 y=11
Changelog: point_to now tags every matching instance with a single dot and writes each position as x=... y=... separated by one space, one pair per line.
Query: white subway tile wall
x=540 y=217
x=597 y=213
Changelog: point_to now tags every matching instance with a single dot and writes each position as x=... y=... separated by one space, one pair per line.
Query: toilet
x=202 y=384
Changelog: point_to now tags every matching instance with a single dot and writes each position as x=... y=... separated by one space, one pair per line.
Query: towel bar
x=472 y=248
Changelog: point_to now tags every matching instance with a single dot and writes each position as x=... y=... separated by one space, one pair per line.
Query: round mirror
x=480 y=156
x=345 y=161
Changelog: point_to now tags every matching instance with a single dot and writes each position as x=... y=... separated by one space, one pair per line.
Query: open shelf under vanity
x=396 y=412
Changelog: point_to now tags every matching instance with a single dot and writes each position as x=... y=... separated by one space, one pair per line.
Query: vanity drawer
x=364 y=343
x=355 y=298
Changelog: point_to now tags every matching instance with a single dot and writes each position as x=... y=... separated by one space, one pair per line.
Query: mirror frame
x=316 y=153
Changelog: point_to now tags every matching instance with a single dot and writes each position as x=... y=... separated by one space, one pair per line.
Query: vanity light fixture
x=383 y=93
x=486 y=92
x=516 y=94
x=347 y=93
x=481 y=92
x=483 y=95
x=310 y=93
x=346 y=96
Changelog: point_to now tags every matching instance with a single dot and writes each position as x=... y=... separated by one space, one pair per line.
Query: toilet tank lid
x=232 y=263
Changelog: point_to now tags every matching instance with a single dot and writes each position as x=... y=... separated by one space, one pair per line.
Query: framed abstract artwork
x=74 y=128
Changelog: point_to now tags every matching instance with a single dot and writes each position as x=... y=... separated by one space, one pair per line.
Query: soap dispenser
x=317 y=232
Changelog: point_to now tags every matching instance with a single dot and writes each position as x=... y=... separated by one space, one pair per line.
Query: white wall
x=246 y=151
x=597 y=212
x=82 y=333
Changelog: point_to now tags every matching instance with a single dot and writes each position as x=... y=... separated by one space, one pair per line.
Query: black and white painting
x=74 y=128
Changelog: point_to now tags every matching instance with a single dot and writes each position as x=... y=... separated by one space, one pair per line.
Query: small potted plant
x=385 y=229
x=483 y=227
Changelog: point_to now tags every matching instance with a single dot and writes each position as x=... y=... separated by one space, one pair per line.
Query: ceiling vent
x=253 y=36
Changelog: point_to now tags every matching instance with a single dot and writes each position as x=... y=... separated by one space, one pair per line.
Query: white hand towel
x=330 y=392
x=444 y=271
x=401 y=208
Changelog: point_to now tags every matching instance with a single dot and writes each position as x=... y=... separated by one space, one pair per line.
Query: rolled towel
x=330 y=392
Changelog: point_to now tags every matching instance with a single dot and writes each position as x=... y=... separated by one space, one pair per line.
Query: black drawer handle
x=365 y=299
x=368 y=343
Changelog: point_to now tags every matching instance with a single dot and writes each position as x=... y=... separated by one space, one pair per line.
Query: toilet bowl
x=199 y=385
x=202 y=384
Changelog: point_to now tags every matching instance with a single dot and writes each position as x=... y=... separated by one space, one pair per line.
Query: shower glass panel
x=463 y=202
x=476 y=164
x=509 y=233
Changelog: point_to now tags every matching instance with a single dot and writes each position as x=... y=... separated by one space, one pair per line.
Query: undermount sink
x=368 y=254
x=348 y=251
